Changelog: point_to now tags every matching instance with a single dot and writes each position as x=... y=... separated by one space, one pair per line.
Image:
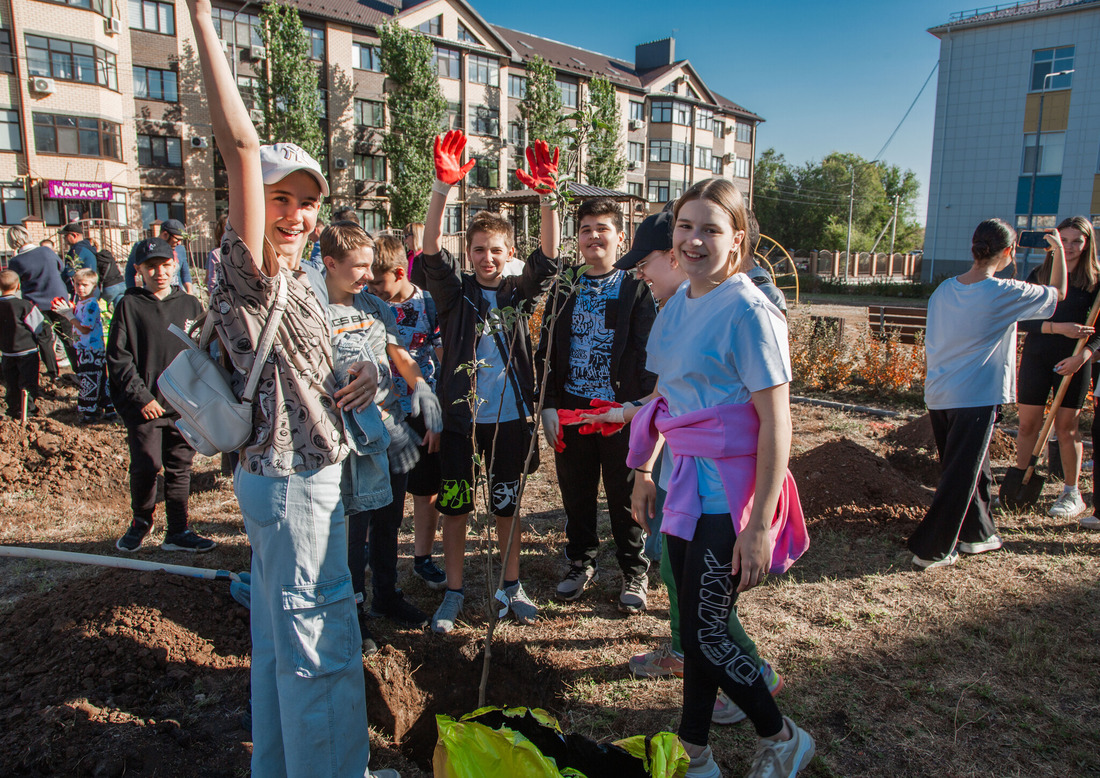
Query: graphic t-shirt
x=86 y=314
x=590 y=339
x=420 y=335
x=362 y=332
x=494 y=388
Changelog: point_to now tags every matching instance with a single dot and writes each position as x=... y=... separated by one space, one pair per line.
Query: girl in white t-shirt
x=970 y=348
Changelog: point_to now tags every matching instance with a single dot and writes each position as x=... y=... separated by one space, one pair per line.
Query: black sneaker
x=370 y=642
x=187 y=541
x=131 y=541
x=433 y=576
x=397 y=608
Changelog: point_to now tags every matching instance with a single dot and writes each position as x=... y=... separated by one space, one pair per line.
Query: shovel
x=1021 y=488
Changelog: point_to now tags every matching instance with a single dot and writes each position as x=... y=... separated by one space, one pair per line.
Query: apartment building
x=1000 y=68
x=106 y=117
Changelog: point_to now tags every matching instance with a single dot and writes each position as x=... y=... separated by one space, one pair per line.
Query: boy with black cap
x=139 y=348
x=597 y=353
x=174 y=234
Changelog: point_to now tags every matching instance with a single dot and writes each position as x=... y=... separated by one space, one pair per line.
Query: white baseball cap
x=279 y=160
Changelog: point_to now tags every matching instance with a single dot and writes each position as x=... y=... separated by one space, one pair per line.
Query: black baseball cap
x=153 y=248
x=653 y=234
x=173 y=227
x=72 y=228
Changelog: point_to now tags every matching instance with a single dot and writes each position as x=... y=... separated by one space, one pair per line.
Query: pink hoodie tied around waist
x=726 y=434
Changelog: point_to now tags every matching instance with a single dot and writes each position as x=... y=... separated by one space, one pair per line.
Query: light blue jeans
x=309 y=714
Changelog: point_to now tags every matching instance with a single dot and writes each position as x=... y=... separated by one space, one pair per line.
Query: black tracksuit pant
x=20 y=373
x=579 y=468
x=154 y=445
x=382 y=524
x=960 y=509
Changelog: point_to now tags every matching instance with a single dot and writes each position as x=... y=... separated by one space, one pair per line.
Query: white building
x=997 y=68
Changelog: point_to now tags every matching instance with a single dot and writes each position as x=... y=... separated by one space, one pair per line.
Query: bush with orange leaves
x=887 y=365
x=821 y=357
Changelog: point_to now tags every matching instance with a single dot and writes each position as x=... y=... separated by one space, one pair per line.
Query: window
x=366 y=57
x=153 y=16
x=160 y=211
x=1052 y=147
x=13 y=204
x=568 y=92
x=635 y=152
x=452 y=219
x=703 y=157
x=670 y=87
x=159 y=151
x=153 y=84
x=740 y=167
x=637 y=110
x=370 y=167
x=486 y=173
x=515 y=136
x=446 y=63
x=369 y=113
x=660 y=111
x=67 y=61
x=7 y=60
x=1048 y=61
x=1037 y=223
x=10 y=137
x=660 y=151
x=681 y=153
x=658 y=190
x=744 y=132
x=102 y=7
x=484 y=121
x=432 y=26
x=239 y=29
x=452 y=119
x=704 y=119
x=77 y=136
x=315 y=37
x=681 y=114
x=517 y=86
x=634 y=188
x=466 y=36
x=484 y=70
x=716 y=165
x=249 y=87
x=372 y=221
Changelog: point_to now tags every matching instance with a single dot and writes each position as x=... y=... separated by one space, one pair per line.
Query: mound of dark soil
x=69 y=459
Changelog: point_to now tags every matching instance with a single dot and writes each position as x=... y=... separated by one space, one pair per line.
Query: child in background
x=20 y=325
x=91 y=351
x=139 y=348
x=415 y=314
x=505 y=380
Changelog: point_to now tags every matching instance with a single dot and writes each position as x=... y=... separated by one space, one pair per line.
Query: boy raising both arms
x=91 y=354
x=597 y=352
x=417 y=321
x=505 y=381
x=139 y=348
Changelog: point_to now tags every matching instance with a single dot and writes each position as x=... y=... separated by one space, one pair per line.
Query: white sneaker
x=932 y=564
x=783 y=758
x=1067 y=506
x=992 y=543
x=703 y=766
x=1091 y=522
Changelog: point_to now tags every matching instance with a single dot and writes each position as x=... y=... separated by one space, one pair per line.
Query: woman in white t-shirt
x=970 y=349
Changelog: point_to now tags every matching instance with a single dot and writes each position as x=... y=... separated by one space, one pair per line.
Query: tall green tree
x=416 y=108
x=541 y=104
x=605 y=164
x=288 y=82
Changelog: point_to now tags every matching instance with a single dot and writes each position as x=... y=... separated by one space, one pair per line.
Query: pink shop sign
x=78 y=190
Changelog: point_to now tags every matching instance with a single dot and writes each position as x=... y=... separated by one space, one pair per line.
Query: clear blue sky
x=826 y=76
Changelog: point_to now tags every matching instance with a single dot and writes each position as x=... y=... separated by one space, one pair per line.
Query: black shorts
x=456 y=450
x=1038 y=381
x=425 y=477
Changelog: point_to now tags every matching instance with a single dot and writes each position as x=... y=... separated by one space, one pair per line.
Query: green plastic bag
x=528 y=742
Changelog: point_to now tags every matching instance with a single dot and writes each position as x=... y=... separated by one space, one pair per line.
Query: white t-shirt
x=717 y=350
x=970 y=343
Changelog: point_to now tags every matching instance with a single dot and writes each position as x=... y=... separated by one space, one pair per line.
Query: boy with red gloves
x=468 y=306
x=596 y=358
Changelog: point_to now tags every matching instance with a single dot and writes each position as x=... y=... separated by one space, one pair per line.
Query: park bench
x=906 y=324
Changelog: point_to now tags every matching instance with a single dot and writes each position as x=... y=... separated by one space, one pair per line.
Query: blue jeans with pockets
x=309 y=715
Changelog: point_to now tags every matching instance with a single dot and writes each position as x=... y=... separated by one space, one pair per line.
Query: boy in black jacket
x=20 y=325
x=597 y=352
x=139 y=348
x=505 y=381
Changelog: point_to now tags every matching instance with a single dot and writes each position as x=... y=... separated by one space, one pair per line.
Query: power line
x=911 y=105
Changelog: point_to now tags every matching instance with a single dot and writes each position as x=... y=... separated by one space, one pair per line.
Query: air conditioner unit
x=340 y=163
x=256 y=53
x=199 y=142
x=727 y=159
x=380 y=190
x=631 y=165
x=43 y=86
x=504 y=142
x=636 y=124
x=225 y=46
x=112 y=26
x=256 y=115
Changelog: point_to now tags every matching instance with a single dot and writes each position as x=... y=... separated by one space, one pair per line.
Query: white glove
x=426 y=405
x=551 y=426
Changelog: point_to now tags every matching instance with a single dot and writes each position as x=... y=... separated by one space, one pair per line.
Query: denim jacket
x=365 y=485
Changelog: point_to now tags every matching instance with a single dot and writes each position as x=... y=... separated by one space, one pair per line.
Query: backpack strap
x=267 y=340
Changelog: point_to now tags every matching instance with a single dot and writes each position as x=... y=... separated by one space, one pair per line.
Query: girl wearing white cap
x=308 y=700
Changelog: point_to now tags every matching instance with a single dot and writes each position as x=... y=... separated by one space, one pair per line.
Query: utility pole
x=894 y=228
x=851 y=206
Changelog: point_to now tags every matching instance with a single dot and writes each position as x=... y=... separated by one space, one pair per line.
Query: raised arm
x=1058 y=265
x=543 y=179
x=235 y=135
x=449 y=170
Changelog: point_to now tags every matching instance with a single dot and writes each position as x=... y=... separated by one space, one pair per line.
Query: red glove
x=448 y=156
x=605 y=428
x=58 y=302
x=544 y=170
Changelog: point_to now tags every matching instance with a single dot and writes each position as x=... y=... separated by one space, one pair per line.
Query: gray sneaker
x=579 y=578
x=1067 y=506
x=634 y=594
x=783 y=758
x=520 y=604
x=447 y=613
